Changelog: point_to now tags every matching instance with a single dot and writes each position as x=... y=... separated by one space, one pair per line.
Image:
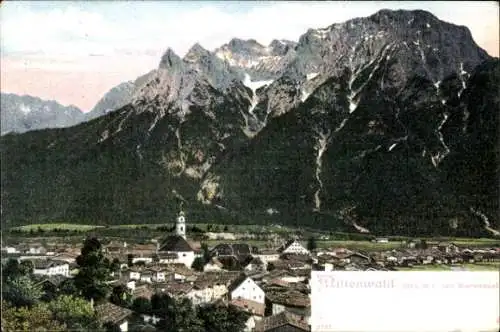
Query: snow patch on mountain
x=310 y=76
x=322 y=141
x=254 y=85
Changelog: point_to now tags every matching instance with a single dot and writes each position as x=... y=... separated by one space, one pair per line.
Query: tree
x=115 y=265
x=94 y=271
x=156 y=258
x=226 y=228
x=130 y=260
x=77 y=313
x=37 y=318
x=311 y=244
x=26 y=267
x=161 y=303
x=120 y=296
x=142 y=305
x=218 y=318
x=198 y=264
x=10 y=269
x=14 y=269
x=68 y=287
x=175 y=316
x=22 y=291
x=205 y=252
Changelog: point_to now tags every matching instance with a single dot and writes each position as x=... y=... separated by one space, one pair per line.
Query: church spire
x=180 y=224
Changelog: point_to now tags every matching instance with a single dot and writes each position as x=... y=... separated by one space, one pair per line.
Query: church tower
x=180 y=225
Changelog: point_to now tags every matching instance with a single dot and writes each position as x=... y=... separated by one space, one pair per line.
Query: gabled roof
x=282 y=319
x=249 y=306
x=286 y=245
x=46 y=263
x=175 y=243
x=288 y=297
x=54 y=280
x=109 y=312
x=237 y=282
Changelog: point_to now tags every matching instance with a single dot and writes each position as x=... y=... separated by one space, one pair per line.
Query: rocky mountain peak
x=281 y=47
x=195 y=53
x=170 y=60
x=392 y=117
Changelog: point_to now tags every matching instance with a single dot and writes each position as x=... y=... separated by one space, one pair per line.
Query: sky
x=74 y=52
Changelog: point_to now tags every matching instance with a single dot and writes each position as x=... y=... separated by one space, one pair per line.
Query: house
x=10 y=250
x=146 y=276
x=144 y=291
x=283 y=322
x=174 y=289
x=358 y=258
x=213 y=265
x=289 y=299
x=268 y=256
x=142 y=259
x=255 y=265
x=242 y=252
x=381 y=240
x=51 y=285
x=448 y=247
x=220 y=236
x=50 y=268
x=109 y=313
x=293 y=247
x=245 y=288
x=67 y=257
x=207 y=291
x=159 y=274
x=256 y=311
x=36 y=249
x=135 y=273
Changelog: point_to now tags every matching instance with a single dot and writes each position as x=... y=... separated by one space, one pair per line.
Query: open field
x=51 y=227
x=144 y=232
x=454 y=267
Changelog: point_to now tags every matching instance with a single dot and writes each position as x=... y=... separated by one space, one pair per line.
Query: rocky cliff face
x=370 y=125
x=24 y=113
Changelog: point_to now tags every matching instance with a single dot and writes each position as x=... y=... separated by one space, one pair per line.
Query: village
x=270 y=284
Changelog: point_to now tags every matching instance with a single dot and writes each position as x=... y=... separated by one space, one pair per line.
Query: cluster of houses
x=272 y=286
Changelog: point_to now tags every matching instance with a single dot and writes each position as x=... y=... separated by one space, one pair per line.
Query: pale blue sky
x=47 y=45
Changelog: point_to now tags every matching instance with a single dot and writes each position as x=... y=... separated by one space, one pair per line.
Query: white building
x=10 y=250
x=294 y=247
x=207 y=294
x=145 y=260
x=246 y=289
x=51 y=268
x=110 y=313
x=177 y=244
x=213 y=266
x=134 y=275
x=267 y=256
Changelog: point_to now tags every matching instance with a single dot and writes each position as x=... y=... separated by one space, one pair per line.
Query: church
x=176 y=245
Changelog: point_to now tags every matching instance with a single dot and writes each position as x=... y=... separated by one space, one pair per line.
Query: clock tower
x=180 y=225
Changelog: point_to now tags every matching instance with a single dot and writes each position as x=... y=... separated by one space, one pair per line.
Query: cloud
x=152 y=27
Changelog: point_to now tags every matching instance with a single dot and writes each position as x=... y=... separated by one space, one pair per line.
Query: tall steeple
x=180 y=224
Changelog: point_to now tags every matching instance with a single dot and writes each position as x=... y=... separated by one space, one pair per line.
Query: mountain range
x=386 y=124
x=24 y=113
